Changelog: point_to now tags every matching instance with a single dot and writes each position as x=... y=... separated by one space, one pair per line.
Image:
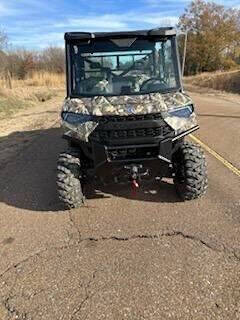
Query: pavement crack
x=87 y=296
x=172 y=233
x=16 y=265
x=12 y=310
x=217 y=247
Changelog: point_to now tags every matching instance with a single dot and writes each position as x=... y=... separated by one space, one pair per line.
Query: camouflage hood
x=128 y=105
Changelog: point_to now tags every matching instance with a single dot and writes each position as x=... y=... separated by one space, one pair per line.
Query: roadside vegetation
x=213 y=47
x=28 y=78
x=213 y=41
x=37 y=87
x=228 y=81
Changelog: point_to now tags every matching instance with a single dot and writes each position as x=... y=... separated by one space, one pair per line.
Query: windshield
x=107 y=67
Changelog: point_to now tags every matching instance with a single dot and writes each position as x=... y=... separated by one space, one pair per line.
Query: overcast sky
x=36 y=24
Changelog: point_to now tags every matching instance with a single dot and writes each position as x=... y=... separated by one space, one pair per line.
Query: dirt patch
x=20 y=128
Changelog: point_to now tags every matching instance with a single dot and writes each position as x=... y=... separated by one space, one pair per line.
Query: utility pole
x=184 y=52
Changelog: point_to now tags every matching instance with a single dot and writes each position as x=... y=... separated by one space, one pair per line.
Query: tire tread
x=69 y=179
x=193 y=162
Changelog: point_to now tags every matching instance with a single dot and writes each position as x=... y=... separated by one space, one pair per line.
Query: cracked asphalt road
x=121 y=257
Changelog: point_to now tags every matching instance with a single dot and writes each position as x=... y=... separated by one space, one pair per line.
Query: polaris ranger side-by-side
x=126 y=116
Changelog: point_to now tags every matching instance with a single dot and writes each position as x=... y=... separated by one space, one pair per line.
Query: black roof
x=165 y=32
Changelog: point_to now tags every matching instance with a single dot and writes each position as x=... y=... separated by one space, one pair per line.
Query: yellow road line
x=216 y=155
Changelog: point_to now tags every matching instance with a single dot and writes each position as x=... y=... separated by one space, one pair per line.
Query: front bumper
x=134 y=153
x=117 y=151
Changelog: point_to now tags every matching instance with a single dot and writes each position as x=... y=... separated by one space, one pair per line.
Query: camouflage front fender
x=80 y=131
x=181 y=124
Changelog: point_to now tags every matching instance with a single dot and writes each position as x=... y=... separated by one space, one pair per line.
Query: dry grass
x=224 y=81
x=35 y=79
x=38 y=87
x=46 y=79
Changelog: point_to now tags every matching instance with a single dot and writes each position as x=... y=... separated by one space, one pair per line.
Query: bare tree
x=3 y=40
x=52 y=59
x=20 y=63
x=3 y=56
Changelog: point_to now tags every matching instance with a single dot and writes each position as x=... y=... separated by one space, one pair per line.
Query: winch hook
x=134 y=186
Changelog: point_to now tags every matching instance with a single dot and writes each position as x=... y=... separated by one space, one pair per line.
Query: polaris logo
x=130 y=108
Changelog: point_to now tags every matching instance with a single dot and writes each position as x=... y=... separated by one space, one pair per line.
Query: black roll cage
x=74 y=38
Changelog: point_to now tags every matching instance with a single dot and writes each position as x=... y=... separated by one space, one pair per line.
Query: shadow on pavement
x=28 y=180
x=162 y=191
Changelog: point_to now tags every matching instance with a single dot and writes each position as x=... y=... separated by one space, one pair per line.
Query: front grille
x=132 y=133
x=155 y=127
x=134 y=117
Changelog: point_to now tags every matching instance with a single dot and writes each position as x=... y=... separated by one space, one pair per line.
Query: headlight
x=76 y=118
x=182 y=112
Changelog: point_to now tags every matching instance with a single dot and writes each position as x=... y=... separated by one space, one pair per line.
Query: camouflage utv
x=125 y=116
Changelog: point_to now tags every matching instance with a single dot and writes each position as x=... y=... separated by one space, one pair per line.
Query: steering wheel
x=161 y=82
